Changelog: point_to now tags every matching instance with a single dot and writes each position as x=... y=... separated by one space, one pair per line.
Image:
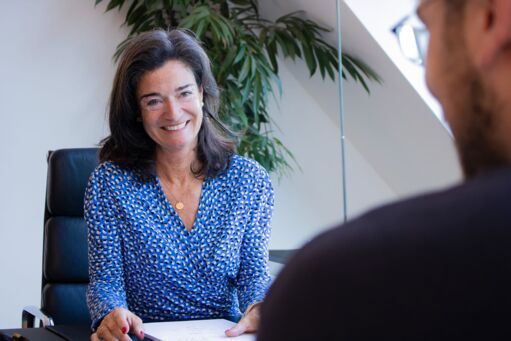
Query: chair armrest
x=30 y=314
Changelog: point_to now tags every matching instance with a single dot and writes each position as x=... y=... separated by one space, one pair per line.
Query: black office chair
x=65 y=265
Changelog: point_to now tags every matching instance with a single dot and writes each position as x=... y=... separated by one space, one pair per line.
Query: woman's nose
x=171 y=108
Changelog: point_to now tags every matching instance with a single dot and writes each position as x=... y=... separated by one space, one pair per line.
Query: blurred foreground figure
x=437 y=266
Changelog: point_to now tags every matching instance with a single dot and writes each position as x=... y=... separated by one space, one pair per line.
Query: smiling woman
x=144 y=80
x=178 y=224
x=171 y=105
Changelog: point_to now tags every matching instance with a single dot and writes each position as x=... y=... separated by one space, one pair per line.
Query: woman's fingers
x=103 y=333
x=247 y=324
x=116 y=326
x=136 y=326
x=240 y=328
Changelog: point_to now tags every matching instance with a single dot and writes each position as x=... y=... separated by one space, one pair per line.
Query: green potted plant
x=243 y=48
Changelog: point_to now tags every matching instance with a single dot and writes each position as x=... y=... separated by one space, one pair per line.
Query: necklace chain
x=179 y=205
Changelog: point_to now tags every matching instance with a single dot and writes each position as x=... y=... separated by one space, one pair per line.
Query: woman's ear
x=201 y=95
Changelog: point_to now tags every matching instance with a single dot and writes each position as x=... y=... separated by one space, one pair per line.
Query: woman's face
x=171 y=107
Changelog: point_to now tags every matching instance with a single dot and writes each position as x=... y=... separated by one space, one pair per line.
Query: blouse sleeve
x=253 y=279
x=106 y=287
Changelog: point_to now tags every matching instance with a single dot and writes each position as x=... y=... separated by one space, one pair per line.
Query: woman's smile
x=175 y=127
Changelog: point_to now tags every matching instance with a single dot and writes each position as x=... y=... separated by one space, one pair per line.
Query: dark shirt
x=434 y=267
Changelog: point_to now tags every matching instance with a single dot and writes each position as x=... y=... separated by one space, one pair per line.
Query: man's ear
x=495 y=23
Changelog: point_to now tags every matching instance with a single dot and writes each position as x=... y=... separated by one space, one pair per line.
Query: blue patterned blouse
x=142 y=258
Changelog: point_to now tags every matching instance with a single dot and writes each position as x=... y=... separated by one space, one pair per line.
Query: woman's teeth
x=175 y=127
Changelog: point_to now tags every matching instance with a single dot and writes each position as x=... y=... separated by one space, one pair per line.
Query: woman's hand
x=248 y=323
x=116 y=325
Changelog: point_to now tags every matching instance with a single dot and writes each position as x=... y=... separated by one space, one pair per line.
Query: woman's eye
x=152 y=103
x=186 y=93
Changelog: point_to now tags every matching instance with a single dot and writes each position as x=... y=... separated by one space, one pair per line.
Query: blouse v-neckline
x=170 y=208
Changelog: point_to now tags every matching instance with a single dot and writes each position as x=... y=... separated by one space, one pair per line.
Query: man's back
x=435 y=266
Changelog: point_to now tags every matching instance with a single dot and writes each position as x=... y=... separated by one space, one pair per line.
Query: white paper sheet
x=199 y=330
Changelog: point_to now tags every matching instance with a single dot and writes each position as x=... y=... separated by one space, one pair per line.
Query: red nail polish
x=124 y=330
x=142 y=334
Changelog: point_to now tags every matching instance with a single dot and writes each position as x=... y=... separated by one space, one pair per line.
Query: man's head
x=469 y=70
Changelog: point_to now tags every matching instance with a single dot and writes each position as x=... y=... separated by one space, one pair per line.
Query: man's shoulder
x=471 y=200
x=393 y=259
x=472 y=210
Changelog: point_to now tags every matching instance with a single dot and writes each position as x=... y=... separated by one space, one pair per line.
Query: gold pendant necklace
x=179 y=204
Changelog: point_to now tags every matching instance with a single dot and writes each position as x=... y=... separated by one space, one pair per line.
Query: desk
x=281 y=256
x=41 y=334
x=56 y=333
x=277 y=260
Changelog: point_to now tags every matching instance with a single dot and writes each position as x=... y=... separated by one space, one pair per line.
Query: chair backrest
x=65 y=265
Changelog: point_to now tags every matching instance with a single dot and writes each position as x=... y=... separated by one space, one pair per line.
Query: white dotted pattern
x=141 y=257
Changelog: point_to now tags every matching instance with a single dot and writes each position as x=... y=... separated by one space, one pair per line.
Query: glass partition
x=309 y=199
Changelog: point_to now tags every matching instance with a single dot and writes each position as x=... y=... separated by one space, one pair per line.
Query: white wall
x=395 y=127
x=378 y=18
x=310 y=200
x=56 y=71
x=396 y=147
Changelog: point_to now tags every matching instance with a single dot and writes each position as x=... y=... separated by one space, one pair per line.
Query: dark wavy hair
x=128 y=144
